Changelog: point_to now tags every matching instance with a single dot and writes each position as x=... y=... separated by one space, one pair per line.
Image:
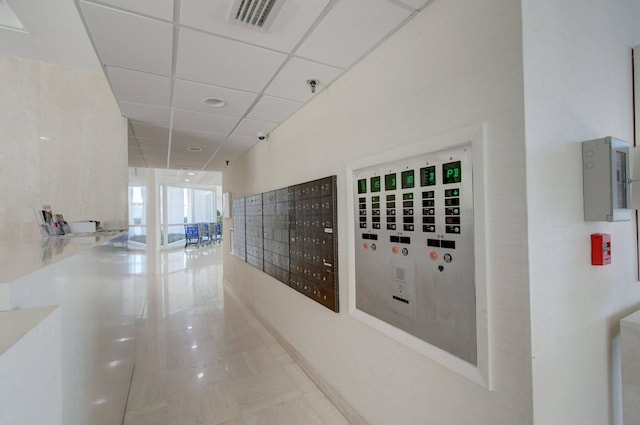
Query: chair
x=191 y=234
x=204 y=233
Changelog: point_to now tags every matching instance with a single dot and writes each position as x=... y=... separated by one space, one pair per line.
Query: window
x=186 y=205
x=138 y=214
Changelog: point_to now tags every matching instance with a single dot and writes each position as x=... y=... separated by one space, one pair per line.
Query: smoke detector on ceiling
x=258 y=14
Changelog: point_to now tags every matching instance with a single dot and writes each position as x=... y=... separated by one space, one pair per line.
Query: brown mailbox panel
x=290 y=234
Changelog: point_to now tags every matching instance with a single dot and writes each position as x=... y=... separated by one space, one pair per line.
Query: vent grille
x=252 y=12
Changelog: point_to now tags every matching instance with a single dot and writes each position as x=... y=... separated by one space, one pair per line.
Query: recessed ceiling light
x=194 y=149
x=192 y=174
x=214 y=103
x=187 y=180
x=45 y=138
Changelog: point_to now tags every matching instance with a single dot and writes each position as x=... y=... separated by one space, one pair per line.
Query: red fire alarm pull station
x=600 y=249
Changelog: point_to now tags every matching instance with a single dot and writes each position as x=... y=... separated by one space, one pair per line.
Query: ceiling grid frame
x=236 y=141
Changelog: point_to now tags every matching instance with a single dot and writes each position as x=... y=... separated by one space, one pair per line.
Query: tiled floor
x=202 y=358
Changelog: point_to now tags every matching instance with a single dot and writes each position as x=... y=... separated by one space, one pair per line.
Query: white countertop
x=73 y=297
x=631 y=320
x=15 y=324
x=23 y=256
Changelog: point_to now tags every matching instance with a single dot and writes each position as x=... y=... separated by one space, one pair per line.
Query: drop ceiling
x=163 y=58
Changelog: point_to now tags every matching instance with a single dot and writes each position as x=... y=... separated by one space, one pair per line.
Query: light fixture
x=187 y=180
x=214 y=103
x=192 y=174
x=45 y=138
x=194 y=149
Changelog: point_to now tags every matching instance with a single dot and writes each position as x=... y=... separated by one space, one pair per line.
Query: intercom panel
x=414 y=247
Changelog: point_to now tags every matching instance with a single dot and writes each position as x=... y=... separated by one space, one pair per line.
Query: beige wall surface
x=82 y=170
x=578 y=86
x=457 y=64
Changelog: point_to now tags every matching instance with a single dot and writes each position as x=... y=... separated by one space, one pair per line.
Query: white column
x=630 y=340
x=165 y=217
x=153 y=214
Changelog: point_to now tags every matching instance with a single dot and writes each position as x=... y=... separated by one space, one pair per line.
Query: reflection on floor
x=202 y=358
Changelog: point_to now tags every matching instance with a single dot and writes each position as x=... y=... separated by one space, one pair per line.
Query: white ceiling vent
x=254 y=13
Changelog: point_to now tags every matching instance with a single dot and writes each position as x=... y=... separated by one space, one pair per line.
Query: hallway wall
x=457 y=64
x=82 y=170
x=578 y=86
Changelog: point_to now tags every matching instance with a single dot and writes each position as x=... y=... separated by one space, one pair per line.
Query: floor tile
x=203 y=359
x=293 y=411
x=264 y=389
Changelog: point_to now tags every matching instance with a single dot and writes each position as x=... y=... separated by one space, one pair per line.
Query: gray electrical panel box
x=606 y=175
x=414 y=256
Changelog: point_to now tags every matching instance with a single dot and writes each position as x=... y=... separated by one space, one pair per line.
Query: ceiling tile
x=146 y=113
x=193 y=159
x=190 y=96
x=139 y=43
x=162 y=9
x=154 y=163
x=146 y=130
x=57 y=35
x=250 y=128
x=218 y=61
x=273 y=109
x=243 y=142
x=197 y=121
x=186 y=165
x=139 y=87
x=137 y=162
x=184 y=159
x=235 y=147
x=289 y=24
x=351 y=29
x=416 y=4
x=173 y=177
x=152 y=141
x=197 y=138
x=291 y=81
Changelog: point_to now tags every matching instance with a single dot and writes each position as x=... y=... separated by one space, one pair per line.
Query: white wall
x=577 y=61
x=456 y=64
x=81 y=172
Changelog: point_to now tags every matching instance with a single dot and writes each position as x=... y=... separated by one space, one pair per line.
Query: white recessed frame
x=480 y=374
